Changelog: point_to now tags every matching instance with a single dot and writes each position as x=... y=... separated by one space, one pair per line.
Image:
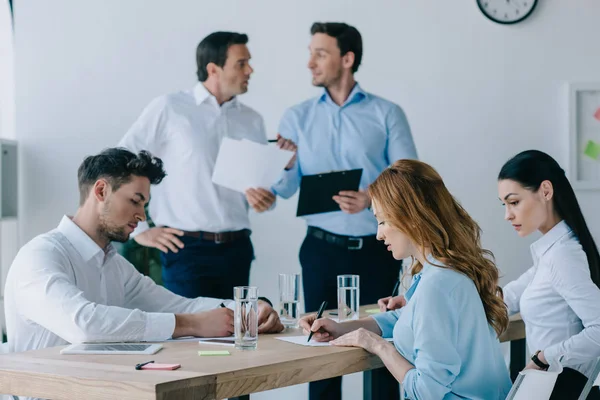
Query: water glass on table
x=288 y=298
x=348 y=297
x=246 y=317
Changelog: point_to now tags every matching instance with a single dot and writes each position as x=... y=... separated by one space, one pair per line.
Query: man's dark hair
x=348 y=38
x=117 y=165
x=213 y=49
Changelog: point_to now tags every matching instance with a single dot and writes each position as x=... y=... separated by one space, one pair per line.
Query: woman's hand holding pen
x=324 y=329
x=391 y=303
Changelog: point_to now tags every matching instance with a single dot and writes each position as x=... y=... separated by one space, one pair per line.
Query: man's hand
x=213 y=323
x=391 y=303
x=164 y=239
x=268 y=320
x=352 y=202
x=287 y=144
x=260 y=199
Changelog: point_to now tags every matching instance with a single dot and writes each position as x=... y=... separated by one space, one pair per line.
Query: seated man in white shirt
x=70 y=285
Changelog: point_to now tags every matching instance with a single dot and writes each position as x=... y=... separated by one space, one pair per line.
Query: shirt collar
x=85 y=246
x=543 y=244
x=201 y=94
x=356 y=95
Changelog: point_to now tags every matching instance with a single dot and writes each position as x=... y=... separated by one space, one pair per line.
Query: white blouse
x=559 y=302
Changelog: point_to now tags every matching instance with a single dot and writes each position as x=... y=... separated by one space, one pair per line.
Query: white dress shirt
x=185 y=130
x=559 y=302
x=63 y=288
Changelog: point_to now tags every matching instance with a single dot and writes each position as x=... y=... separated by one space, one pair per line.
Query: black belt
x=349 y=242
x=220 y=237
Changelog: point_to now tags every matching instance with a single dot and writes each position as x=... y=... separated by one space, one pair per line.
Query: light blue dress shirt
x=366 y=132
x=444 y=333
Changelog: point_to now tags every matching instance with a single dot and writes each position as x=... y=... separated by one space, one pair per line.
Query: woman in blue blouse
x=445 y=339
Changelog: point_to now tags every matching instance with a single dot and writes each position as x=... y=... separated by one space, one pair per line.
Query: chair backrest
x=593 y=380
x=534 y=384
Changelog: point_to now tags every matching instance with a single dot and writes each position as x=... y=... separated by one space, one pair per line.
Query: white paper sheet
x=302 y=340
x=243 y=164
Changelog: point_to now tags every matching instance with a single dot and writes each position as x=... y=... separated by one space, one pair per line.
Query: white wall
x=475 y=93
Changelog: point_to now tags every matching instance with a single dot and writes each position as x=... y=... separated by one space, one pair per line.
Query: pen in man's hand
x=319 y=314
x=273 y=140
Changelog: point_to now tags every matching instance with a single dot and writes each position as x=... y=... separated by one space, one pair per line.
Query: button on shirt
x=444 y=333
x=559 y=302
x=185 y=130
x=366 y=132
x=63 y=288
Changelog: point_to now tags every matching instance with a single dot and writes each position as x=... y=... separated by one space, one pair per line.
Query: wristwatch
x=539 y=362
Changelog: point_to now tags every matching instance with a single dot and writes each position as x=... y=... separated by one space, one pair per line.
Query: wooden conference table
x=47 y=374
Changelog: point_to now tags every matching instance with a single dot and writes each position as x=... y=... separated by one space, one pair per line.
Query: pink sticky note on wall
x=597 y=114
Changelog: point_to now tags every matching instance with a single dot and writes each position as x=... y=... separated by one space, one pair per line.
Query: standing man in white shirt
x=202 y=229
x=71 y=286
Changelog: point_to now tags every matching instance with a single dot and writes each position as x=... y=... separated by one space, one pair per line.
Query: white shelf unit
x=9 y=213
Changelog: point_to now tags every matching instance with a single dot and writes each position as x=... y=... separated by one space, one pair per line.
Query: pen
x=395 y=288
x=139 y=366
x=272 y=140
x=319 y=314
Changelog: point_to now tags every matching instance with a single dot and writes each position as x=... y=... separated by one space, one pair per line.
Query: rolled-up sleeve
x=289 y=181
x=386 y=322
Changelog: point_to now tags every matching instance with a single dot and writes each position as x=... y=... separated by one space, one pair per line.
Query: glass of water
x=288 y=298
x=348 y=287
x=246 y=317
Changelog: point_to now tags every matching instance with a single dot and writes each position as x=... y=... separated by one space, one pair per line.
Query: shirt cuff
x=408 y=384
x=552 y=354
x=159 y=326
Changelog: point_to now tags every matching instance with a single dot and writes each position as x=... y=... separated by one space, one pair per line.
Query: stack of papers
x=243 y=164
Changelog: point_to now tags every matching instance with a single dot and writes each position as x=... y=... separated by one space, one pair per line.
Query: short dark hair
x=348 y=38
x=117 y=165
x=213 y=48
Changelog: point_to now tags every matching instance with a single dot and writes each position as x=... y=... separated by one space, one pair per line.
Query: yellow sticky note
x=213 y=353
x=373 y=311
x=592 y=149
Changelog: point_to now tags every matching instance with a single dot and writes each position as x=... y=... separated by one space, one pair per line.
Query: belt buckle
x=219 y=238
x=358 y=246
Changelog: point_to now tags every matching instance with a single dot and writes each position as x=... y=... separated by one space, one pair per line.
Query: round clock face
x=506 y=11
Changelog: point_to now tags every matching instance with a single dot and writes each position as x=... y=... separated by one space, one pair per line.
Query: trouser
x=321 y=262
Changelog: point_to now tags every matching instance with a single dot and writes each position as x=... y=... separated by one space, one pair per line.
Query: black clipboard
x=316 y=191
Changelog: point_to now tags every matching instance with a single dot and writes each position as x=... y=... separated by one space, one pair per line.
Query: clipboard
x=316 y=191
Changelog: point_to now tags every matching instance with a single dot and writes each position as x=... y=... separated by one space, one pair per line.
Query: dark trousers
x=569 y=385
x=321 y=263
x=207 y=269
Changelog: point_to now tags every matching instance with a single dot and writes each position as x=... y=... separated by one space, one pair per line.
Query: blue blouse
x=444 y=333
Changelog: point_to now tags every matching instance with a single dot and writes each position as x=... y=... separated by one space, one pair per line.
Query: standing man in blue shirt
x=343 y=128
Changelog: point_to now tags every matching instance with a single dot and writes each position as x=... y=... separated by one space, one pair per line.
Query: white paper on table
x=302 y=340
x=243 y=164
